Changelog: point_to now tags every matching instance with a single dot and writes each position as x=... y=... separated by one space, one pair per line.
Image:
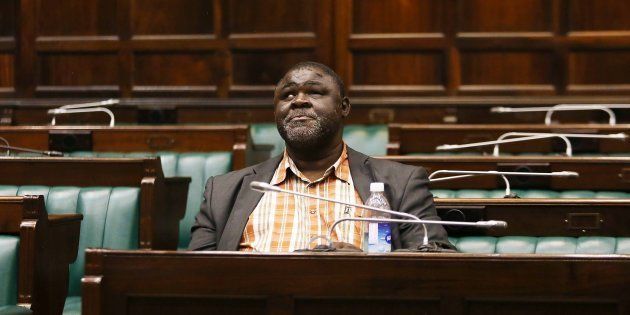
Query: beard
x=308 y=134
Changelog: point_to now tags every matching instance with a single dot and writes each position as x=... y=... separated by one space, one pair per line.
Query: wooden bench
x=413 y=138
x=162 y=200
x=596 y=173
x=131 y=282
x=47 y=245
x=126 y=139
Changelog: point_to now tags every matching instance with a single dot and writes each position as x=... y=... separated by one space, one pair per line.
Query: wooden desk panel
x=135 y=282
x=414 y=138
x=596 y=173
x=232 y=138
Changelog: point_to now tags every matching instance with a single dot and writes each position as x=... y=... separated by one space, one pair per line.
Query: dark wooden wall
x=234 y=48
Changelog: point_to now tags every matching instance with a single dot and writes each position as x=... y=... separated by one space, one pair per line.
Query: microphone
x=85 y=108
x=508 y=193
x=526 y=136
x=10 y=148
x=412 y=219
x=612 y=120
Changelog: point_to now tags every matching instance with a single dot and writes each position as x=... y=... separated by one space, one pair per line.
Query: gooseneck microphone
x=411 y=219
x=10 y=148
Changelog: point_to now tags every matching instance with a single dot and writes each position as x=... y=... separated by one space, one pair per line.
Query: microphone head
x=53 y=153
x=262 y=186
x=499 y=224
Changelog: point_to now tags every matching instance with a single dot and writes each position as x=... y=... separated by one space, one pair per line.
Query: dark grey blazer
x=228 y=201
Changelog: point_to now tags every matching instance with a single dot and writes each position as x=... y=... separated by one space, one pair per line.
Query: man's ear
x=345 y=107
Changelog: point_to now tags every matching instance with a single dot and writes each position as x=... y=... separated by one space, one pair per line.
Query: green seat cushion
x=368 y=139
x=198 y=166
x=516 y=245
x=72 y=306
x=623 y=246
x=14 y=310
x=477 y=244
x=556 y=245
x=9 y=248
x=443 y=193
x=577 y=194
x=596 y=245
x=591 y=245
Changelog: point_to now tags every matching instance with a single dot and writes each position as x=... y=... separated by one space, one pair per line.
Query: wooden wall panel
x=599 y=15
x=279 y=16
x=399 y=68
x=253 y=68
x=7 y=71
x=95 y=69
x=169 y=17
x=8 y=12
x=236 y=48
x=76 y=17
x=183 y=69
x=494 y=71
x=377 y=16
x=504 y=16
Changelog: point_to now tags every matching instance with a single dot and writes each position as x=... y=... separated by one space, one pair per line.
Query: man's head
x=310 y=105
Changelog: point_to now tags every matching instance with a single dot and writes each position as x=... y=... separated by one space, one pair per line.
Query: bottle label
x=379 y=238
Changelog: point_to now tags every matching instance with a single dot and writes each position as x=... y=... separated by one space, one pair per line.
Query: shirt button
x=312 y=211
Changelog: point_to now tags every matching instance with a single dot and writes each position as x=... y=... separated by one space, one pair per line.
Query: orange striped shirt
x=283 y=223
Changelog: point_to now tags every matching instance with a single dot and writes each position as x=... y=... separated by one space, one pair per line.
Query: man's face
x=308 y=108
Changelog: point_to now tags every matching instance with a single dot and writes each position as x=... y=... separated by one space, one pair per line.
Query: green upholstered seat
x=592 y=245
x=368 y=139
x=110 y=218
x=198 y=166
x=14 y=310
x=9 y=245
x=529 y=193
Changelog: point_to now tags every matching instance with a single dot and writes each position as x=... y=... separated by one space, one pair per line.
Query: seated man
x=310 y=108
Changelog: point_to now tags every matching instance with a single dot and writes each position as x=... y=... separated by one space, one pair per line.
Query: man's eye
x=288 y=96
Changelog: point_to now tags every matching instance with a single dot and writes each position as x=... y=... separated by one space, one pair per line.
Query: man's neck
x=313 y=164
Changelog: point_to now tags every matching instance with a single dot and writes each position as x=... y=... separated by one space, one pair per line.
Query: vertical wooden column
x=125 y=52
x=26 y=55
x=451 y=49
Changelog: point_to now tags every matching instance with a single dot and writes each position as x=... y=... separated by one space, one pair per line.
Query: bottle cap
x=377 y=187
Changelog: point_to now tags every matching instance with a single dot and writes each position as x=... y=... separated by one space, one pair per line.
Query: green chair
x=591 y=245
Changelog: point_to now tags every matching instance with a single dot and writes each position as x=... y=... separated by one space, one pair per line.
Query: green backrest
x=198 y=166
x=110 y=217
x=368 y=139
x=592 y=245
x=9 y=245
x=527 y=193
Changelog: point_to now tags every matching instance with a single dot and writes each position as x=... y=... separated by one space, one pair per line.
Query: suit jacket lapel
x=246 y=201
x=361 y=173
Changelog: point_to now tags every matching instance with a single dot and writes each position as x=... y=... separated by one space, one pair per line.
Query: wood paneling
x=78 y=69
x=599 y=15
x=278 y=16
x=393 y=47
x=76 y=17
x=183 y=69
x=7 y=72
x=8 y=12
x=376 y=16
x=172 y=17
x=504 y=16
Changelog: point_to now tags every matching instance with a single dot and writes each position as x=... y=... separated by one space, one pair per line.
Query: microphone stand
x=411 y=219
x=10 y=148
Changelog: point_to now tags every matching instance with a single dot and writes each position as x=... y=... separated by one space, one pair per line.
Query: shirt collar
x=340 y=168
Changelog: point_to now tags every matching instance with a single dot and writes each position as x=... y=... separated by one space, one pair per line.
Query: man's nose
x=301 y=100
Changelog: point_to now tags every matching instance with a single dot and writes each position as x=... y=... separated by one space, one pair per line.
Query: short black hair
x=324 y=68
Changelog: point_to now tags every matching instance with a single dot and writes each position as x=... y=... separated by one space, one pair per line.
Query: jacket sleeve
x=203 y=231
x=418 y=200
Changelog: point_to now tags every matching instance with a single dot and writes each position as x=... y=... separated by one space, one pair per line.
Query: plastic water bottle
x=377 y=237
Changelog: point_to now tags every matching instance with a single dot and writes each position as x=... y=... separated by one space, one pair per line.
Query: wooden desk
x=232 y=138
x=163 y=200
x=596 y=173
x=413 y=138
x=48 y=245
x=138 y=282
x=539 y=217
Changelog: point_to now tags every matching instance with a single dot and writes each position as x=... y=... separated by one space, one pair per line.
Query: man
x=310 y=107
